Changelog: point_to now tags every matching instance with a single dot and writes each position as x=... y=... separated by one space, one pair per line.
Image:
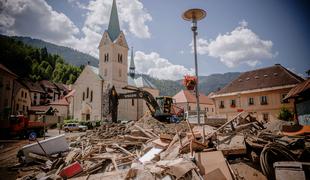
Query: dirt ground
x=9 y=149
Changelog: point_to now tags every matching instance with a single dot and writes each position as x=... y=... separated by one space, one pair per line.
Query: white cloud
x=202 y=46
x=37 y=19
x=241 y=46
x=161 y=68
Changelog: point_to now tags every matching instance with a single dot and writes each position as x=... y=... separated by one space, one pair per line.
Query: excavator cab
x=165 y=103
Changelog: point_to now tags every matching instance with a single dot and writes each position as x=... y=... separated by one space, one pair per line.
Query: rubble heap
x=242 y=148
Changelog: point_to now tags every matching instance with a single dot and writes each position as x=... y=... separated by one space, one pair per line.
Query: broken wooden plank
x=231 y=145
x=123 y=149
x=38 y=157
x=143 y=131
x=160 y=144
x=135 y=138
x=196 y=146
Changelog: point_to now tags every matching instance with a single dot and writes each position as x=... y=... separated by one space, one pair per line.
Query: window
x=282 y=97
x=233 y=103
x=221 y=104
x=265 y=116
x=120 y=58
x=17 y=107
x=22 y=93
x=207 y=109
x=132 y=102
x=212 y=110
x=251 y=101
x=120 y=73
x=23 y=107
x=189 y=108
x=83 y=96
x=25 y=95
x=106 y=57
x=91 y=96
x=263 y=100
x=35 y=96
x=87 y=92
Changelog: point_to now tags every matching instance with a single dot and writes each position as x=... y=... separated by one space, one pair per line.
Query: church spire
x=132 y=65
x=114 y=29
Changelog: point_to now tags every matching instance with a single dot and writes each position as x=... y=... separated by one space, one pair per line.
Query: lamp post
x=195 y=15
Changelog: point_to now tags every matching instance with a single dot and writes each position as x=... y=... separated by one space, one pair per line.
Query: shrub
x=285 y=114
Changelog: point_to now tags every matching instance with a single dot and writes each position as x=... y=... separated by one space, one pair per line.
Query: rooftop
x=2 y=67
x=33 y=86
x=274 y=76
x=189 y=97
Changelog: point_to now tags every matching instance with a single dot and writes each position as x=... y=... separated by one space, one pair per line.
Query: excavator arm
x=136 y=94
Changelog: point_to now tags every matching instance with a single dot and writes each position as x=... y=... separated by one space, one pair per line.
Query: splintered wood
x=149 y=149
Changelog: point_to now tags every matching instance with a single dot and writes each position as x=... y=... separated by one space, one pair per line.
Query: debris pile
x=242 y=148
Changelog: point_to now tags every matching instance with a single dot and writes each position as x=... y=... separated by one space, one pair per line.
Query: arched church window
x=91 y=96
x=83 y=96
x=87 y=92
x=121 y=58
x=106 y=57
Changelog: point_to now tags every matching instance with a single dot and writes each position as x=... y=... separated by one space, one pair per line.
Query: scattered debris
x=240 y=148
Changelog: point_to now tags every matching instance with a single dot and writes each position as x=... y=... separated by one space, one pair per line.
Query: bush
x=285 y=114
x=66 y=121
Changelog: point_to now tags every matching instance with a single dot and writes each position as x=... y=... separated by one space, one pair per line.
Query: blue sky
x=237 y=35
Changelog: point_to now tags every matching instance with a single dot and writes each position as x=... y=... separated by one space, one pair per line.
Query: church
x=93 y=82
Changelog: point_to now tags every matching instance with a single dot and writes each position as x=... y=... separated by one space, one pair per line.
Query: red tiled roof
x=33 y=86
x=7 y=70
x=268 y=77
x=61 y=86
x=189 y=97
x=61 y=102
x=47 y=84
x=299 y=89
x=39 y=108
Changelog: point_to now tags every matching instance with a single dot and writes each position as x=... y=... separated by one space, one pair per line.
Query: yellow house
x=259 y=92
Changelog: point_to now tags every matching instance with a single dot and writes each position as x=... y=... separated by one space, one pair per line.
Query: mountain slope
x=207 y=84
x=70 y=55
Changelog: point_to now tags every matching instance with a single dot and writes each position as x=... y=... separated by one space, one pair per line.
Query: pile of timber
x=149 y=149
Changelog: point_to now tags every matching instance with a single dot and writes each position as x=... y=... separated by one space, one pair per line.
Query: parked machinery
x=161 y=108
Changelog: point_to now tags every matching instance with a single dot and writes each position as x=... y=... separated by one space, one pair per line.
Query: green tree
x=285 y=114
x=44 y=53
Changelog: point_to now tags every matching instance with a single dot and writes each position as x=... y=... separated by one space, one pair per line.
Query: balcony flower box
x=190 y=82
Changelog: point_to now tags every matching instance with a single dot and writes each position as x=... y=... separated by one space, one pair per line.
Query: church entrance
x=86 y=110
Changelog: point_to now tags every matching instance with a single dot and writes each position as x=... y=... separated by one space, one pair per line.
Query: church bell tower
x=113 y=52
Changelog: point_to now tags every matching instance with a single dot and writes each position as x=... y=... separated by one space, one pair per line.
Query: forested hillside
x=34 y=63
x=70 y=55
x=57 y=63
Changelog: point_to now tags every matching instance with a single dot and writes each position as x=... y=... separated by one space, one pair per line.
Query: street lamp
x=195 y=15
